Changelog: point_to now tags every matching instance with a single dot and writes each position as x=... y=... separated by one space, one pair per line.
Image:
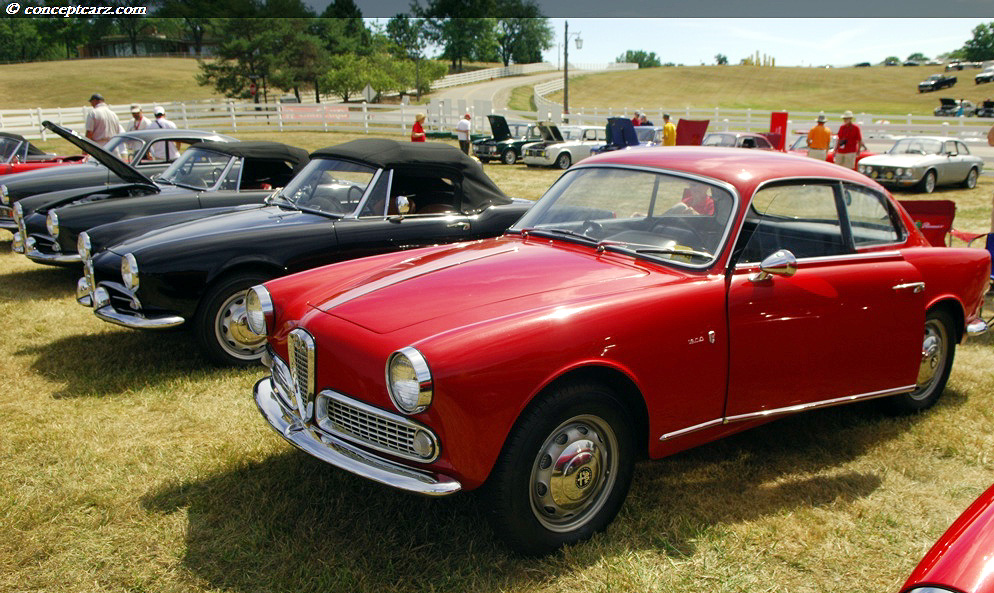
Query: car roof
x=149 y=134
x=259 y=150
x=743 y=168
x=939 y=138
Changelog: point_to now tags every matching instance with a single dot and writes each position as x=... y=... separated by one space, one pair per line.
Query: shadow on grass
x=6 y=244
x=294 y=523
x=43 y=282
x=116 y=361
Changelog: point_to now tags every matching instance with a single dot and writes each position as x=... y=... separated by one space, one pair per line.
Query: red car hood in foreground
x=479 y=281
x=963 y=558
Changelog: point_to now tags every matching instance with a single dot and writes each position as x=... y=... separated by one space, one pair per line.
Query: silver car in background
x=924 y=163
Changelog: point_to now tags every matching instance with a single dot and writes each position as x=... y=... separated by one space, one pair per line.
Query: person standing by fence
x=417 y=131
x=819 y=138
x=101 y=122
x=462 y=133
x=140 y=122
x=850 y=142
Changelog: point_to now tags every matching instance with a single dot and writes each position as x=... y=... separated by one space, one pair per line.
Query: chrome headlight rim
x=83 y=246
x=52 y=224
x=129 y=271
x=409 y=403
x=259 y=310
x=18 y=213
x=4 y=195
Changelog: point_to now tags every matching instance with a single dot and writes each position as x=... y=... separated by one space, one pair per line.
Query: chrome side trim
x=848 y=257
x=342 y=455
x=822 y=404
x=787 y=410
x=53 y=258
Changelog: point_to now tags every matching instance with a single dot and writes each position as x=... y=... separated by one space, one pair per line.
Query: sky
x=791 y=41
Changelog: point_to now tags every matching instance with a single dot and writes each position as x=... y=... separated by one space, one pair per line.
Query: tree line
x=259 y=45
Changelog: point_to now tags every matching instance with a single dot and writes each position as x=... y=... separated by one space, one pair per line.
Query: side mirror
x=781 y=263
x=403 y=205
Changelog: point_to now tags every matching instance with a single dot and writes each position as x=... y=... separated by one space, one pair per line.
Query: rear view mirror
x=781 y=263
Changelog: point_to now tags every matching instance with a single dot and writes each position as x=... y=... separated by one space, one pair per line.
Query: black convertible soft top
x=389 y=154
x=32 y=149
x=260 y=150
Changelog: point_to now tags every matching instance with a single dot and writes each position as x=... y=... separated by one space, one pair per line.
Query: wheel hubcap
x=573 y=473
x=933 y=357
x=930 y=183
x=231 y=329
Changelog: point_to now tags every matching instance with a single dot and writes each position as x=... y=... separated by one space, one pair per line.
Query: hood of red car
x=495 y=278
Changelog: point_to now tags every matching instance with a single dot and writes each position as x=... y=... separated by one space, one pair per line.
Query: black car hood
x=219 y=229
x=499 y=127
x=119 y=167
x=44 y=202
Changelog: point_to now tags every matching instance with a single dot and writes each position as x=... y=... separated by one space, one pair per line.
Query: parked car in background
x=960 y=562
x=737 y=139
x=800 y=147
x=148 y=151
x=986 y=76
x=986 y=109
x=360 y=198
x=924 y=163
x=18 y=154
x=207 y=175
x=631 y=312
x=560 y=152
x=862 y=65
x=949 y=107
x=936 y=82
x=649 y=135
x=507 y=141
x=620 y=134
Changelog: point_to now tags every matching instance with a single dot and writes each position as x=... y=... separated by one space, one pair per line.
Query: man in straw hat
x=819 y=137
x=850 y=142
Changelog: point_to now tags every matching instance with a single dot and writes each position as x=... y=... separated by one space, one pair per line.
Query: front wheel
x=971 y=179
x=927 y=184
x=564 y=160
x=938 y=349
x=509 y=157
x=564 y=472
x=220 y=323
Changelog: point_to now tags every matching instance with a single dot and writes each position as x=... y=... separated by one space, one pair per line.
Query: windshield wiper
x=666 y=251
x=565 y=232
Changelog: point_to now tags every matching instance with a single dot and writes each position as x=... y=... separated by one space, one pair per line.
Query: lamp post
x=579 y=45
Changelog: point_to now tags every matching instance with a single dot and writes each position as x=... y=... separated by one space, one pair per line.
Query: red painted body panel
x=963 y=558
x=500 y=320
x=10 y=168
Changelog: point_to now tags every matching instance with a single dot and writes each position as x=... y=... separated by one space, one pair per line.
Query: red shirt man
x=850 y=142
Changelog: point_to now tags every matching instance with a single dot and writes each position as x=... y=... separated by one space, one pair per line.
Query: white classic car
x=557 y=151
x=924 y=162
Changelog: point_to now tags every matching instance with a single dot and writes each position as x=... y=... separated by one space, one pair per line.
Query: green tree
x=346 y=77
x=721 y=59
x=917 y=57
x=457 y=26
x=408 y=42
x=640 y=57
x=981 y=46
x=245 y=56
x=350 y=28
x=301 y=59
x=522 y=32
x=892 y=61
x=20 y=41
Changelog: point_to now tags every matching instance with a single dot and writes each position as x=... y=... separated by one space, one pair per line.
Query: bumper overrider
x=102 y=297
x=317 y=440
x=33 y=251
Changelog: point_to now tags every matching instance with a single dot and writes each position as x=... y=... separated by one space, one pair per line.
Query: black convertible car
x=360 y=198
x=209 y=175
x=149 y=151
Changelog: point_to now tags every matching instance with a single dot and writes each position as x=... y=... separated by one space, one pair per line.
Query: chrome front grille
x=375 y=428
x=300 y=348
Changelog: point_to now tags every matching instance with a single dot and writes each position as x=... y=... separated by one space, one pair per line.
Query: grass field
x=132 y=465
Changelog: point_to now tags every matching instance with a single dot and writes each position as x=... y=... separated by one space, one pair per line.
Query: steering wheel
x=215 y=173
x=678 y=229
x=355 y=200
x=592 y=229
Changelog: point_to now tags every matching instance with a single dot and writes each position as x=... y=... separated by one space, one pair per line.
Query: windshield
x=8 y=148
x=916 y=146
x=329 y=185
x=645 y=134
x=198 y=169
x=124 y=147
x=719 y=140
x=647 y=213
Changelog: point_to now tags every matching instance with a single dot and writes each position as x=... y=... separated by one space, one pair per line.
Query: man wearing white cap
x=462 y=133
x=850 y=142
x=160 y=118
x=819 y=138
x=159 y=149
x=101 y=122
x=140 y=122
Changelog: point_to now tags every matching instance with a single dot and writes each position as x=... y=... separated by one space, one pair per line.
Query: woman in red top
x=418 y=132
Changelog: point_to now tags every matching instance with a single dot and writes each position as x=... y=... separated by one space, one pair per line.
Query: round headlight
x=52 y=224
x=409 y=381
x=900 y=172
x=83 y=246
x=258 y=310
x=129 y=271
x=4 y=196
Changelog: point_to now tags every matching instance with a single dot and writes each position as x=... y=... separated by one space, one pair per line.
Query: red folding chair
x=934 y=218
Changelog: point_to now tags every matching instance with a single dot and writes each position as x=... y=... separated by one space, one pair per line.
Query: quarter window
x=870 y=217
x=802 y=218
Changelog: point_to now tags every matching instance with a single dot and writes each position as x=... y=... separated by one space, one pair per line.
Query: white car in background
x=560 y=152
x=924 y=163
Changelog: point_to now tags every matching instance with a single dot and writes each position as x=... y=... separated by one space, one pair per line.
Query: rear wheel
x=220 y=324
x=509 y=157
x=938 y=349
x=564 y=160
x=564 y=472
x=927 y=184
x=971 y=179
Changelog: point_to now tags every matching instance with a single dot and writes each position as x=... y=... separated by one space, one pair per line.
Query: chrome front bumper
x=99 y=300
x=53 y=258
x=8 y=224
x=344 y=455
x=541 y=161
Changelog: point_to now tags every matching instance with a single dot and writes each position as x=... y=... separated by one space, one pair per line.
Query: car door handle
x=914 y=287
x=460 y=225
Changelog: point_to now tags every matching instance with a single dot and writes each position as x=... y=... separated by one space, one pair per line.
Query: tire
x=564 y=160
x=535 y=505
x=971 y=179
x=219 y=324
x=938 y=350
x=509 y=157
x=927 y=184
x=484 y=160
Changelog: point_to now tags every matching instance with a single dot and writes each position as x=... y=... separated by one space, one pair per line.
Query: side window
x=230 y=181
x=802 y=218
x=870 y=217
x=961 y=148
x=165 y=150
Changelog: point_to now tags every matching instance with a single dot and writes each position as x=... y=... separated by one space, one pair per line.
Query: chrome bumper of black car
x=344 y=455
x=100 y=300
x=53 y=258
